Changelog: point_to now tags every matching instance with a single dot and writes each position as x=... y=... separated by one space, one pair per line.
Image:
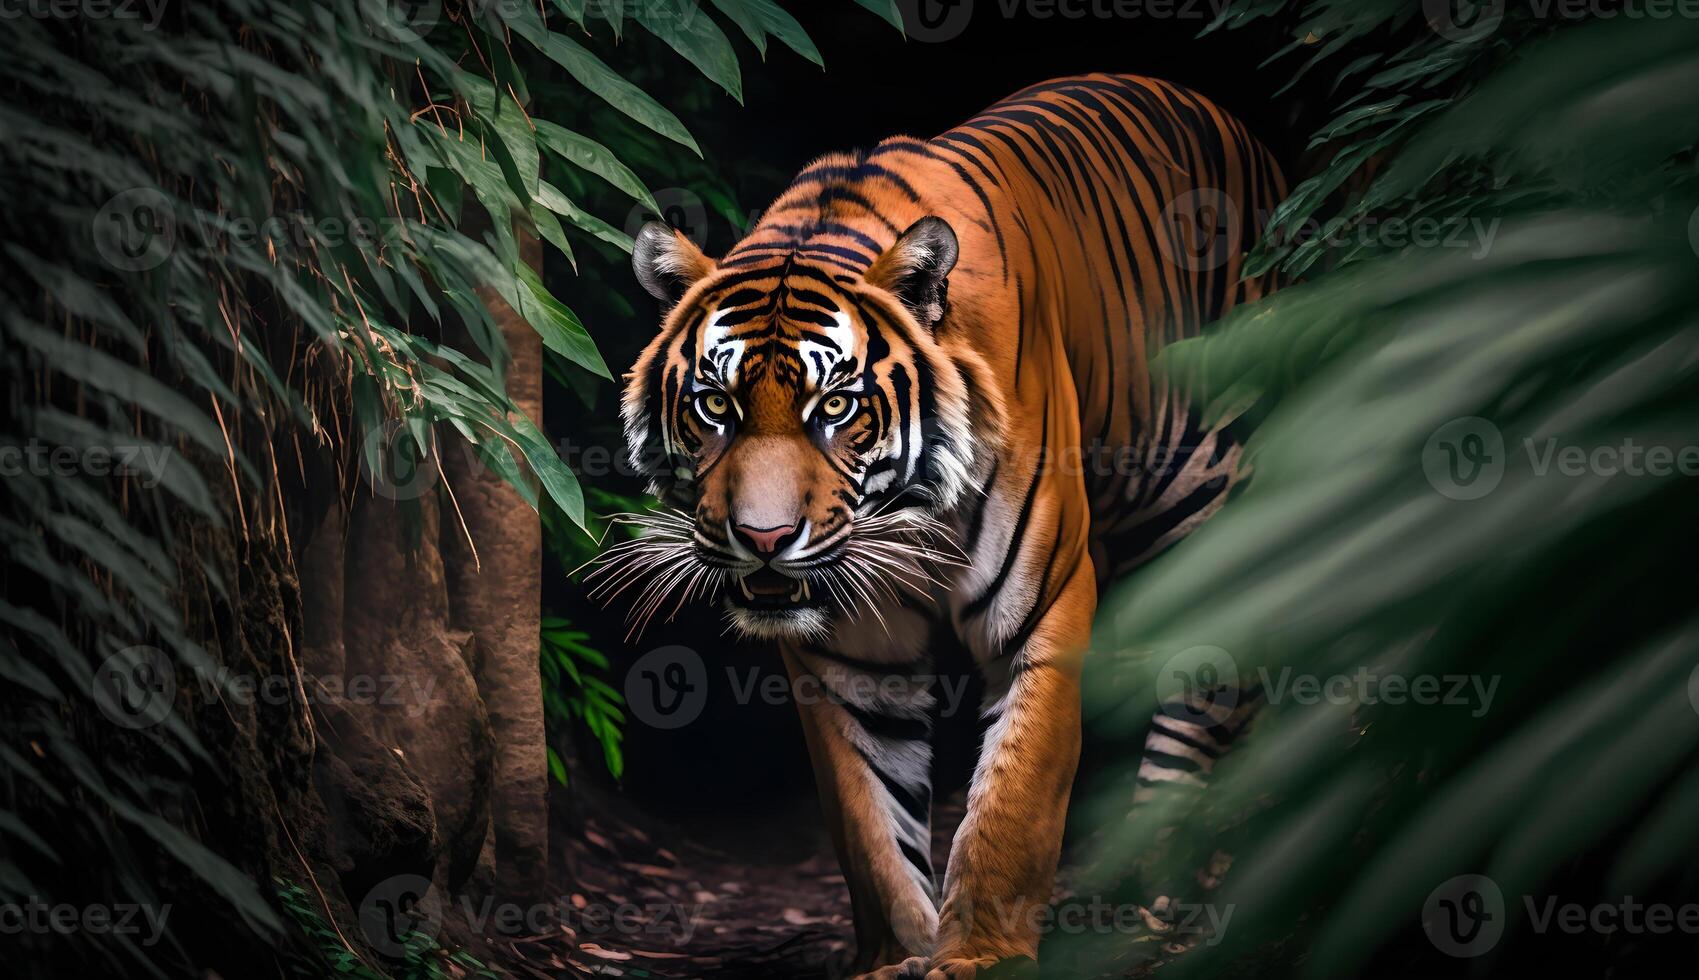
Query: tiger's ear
x=915 y=268
x=666 y=262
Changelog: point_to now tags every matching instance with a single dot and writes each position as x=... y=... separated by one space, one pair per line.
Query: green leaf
x=508 y=121
x=558 y=326
x=548 y=226
x=557 y=202
x=584 y=152
x=759 y=18
x=688 y=29
x=887 y=11
x=605 y=82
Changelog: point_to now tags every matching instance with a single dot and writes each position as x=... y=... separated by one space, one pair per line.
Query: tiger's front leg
x=868 y=727
x=1003 y=861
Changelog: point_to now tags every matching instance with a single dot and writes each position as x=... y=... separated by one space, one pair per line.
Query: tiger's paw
x=913 y=968
x=982 y=968
x=960 y=969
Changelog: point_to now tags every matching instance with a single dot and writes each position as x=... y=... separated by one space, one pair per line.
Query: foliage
x=1355 y=547
x=257 y=232
x=574 y=689
x=422 y=958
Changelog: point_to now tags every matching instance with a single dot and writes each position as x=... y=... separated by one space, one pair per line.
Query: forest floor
x=680 y=898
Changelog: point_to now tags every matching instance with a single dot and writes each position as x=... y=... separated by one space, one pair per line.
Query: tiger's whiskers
x=889 y=553
x=663 y=558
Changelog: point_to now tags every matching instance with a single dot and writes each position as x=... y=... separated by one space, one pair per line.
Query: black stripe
x=1163 y=760
x=978 y=523
x=866 y=666
x=917 y=806
x=978 y=605
x=883 y=725
x=919 y=860
x=1186 y=740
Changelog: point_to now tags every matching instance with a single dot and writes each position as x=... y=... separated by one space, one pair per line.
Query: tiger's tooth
x=743 y=583
x=800 y=591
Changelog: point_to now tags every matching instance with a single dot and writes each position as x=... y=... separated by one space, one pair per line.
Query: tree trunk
x=496 y=596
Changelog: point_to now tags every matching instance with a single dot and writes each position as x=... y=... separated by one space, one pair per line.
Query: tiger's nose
x=766 y=540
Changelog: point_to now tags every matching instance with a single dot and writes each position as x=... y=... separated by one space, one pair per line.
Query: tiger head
x=809 y=430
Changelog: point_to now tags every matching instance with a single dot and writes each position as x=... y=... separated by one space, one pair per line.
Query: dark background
x=742 y=761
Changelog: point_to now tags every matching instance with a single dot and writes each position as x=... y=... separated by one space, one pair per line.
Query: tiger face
x=806 y=429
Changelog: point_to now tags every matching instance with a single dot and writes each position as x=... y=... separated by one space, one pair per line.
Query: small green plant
x=422 y=957
x=574 y=690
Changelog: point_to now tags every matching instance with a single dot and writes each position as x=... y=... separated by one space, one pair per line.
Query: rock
x=381 y=821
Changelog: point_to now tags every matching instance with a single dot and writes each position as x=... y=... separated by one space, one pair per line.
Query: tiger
x=916 y=397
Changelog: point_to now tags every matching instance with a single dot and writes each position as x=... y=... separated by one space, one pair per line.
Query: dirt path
x=683 y=898
x=680 y=899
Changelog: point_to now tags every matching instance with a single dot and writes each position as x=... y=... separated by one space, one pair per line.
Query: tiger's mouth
x=768 y=590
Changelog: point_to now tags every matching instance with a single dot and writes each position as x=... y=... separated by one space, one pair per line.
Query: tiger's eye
x=716 y=404
x=836 y=406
